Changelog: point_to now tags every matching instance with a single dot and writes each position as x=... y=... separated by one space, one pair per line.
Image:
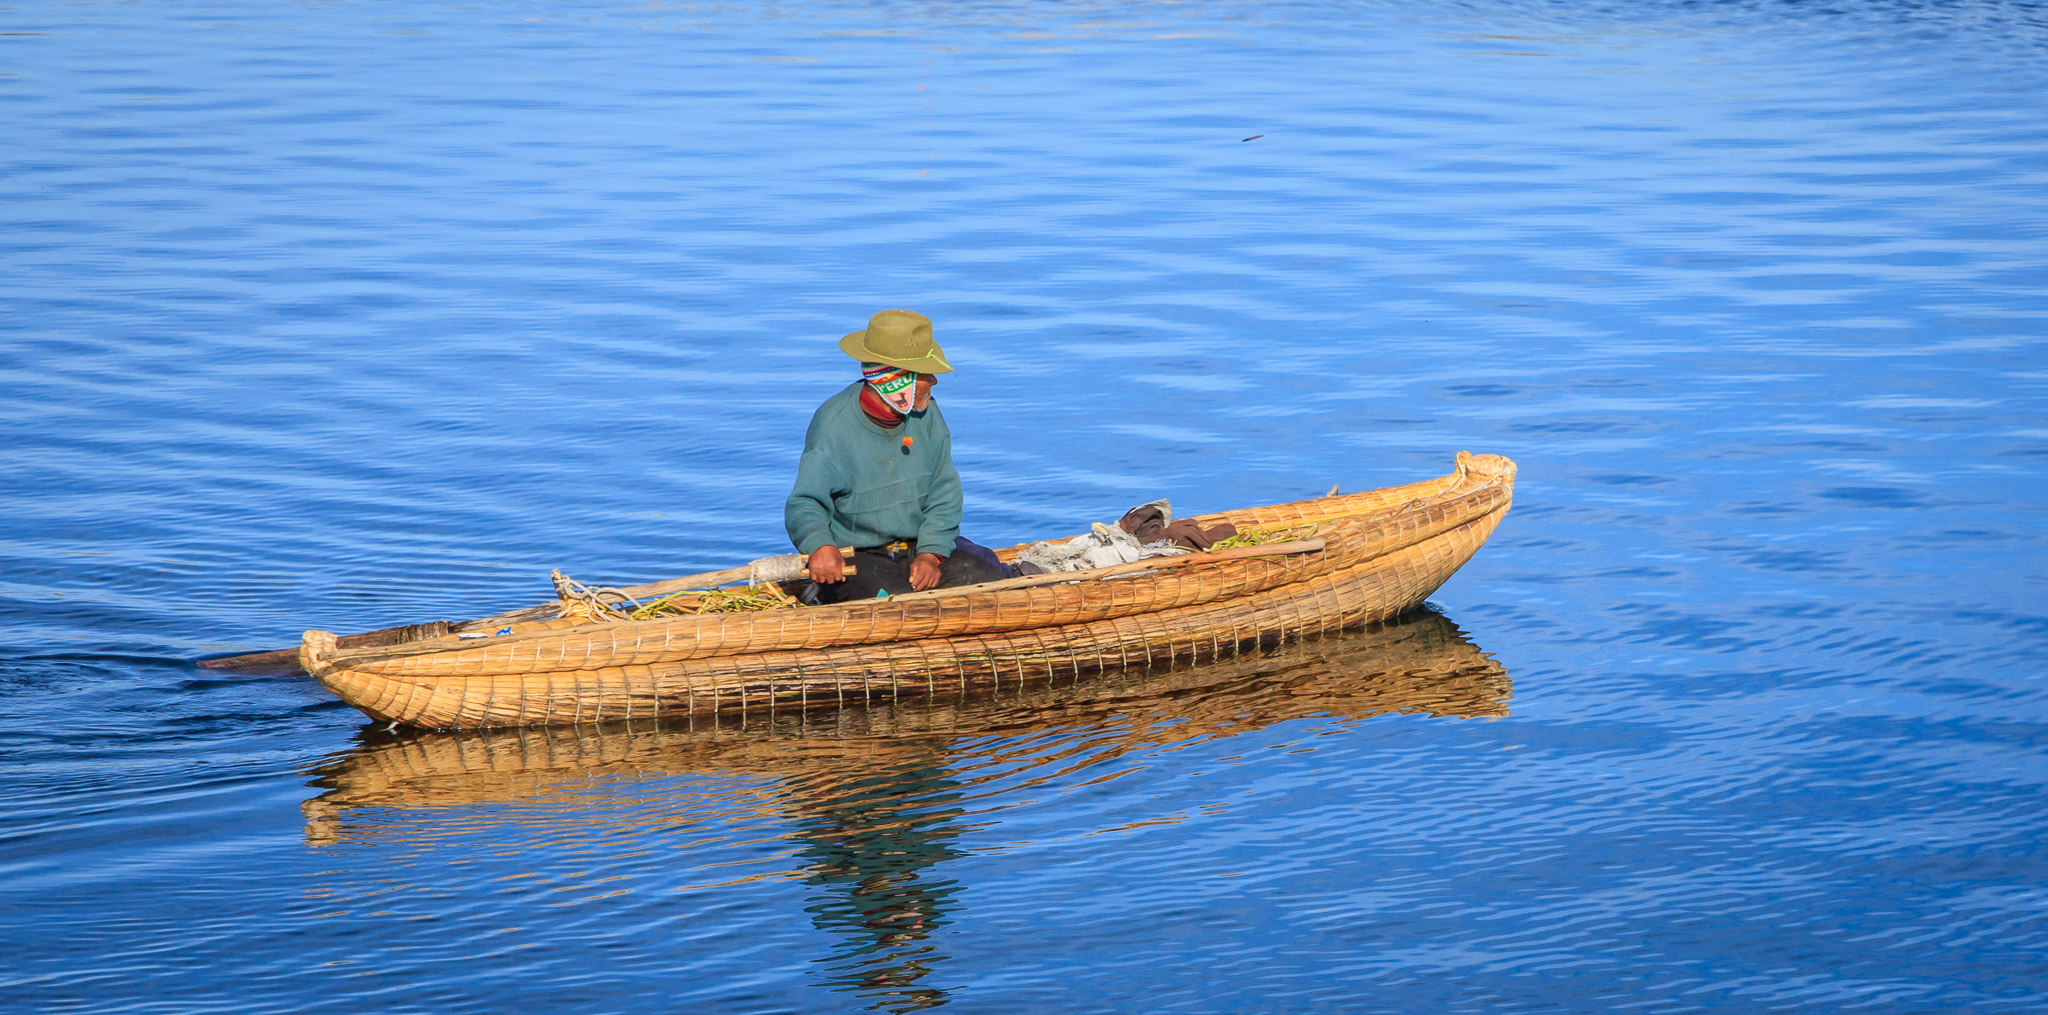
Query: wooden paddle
x=285 y=661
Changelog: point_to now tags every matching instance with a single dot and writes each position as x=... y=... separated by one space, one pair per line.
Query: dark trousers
x=878 y=570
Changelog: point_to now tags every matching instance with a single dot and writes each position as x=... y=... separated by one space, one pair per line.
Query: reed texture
x=1384 y=552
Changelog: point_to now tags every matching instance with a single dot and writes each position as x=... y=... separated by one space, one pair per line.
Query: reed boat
x=794 y=762
x=1371 y=556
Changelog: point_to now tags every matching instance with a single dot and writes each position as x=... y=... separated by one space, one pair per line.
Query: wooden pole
x=285 y=661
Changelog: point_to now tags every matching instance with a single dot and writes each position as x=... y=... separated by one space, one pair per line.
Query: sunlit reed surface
x=345 y=315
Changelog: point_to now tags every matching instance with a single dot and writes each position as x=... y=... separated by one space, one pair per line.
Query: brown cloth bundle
x=1150 y=523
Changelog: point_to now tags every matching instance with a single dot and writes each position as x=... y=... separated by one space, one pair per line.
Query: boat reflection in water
x=874 y=799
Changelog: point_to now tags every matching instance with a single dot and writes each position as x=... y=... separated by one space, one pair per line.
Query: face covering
x=896 y=386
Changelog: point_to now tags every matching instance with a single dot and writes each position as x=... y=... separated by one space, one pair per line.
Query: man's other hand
x=924 y=571
x=826 y=566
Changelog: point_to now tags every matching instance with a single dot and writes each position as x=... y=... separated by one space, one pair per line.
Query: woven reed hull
x=1355 y=528
x=1376 y=589
x=1423 y=664
x=1350 y=540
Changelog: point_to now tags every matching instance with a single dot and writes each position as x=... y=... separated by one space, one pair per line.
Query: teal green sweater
x=857 y=485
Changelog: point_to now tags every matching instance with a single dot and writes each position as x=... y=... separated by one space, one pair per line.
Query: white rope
x=593 y=597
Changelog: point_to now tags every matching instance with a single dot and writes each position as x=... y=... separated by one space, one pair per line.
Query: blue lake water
x=349 y=314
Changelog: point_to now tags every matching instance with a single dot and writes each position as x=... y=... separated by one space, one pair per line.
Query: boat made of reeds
x=1349 y=560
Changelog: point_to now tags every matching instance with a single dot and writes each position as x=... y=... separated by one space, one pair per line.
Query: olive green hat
x=900 y=338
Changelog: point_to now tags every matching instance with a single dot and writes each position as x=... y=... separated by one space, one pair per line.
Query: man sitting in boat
x=877 y=474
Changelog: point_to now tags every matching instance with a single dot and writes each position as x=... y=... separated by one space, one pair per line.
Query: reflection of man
x=877 y=473
x=872 y=840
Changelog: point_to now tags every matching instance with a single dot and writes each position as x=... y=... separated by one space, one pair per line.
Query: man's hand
x=924 y=571
x=825 y=566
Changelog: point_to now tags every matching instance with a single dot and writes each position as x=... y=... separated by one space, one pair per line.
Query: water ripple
x=344 y=316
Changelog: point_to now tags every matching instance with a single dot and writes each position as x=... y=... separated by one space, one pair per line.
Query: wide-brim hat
x=900 y=338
